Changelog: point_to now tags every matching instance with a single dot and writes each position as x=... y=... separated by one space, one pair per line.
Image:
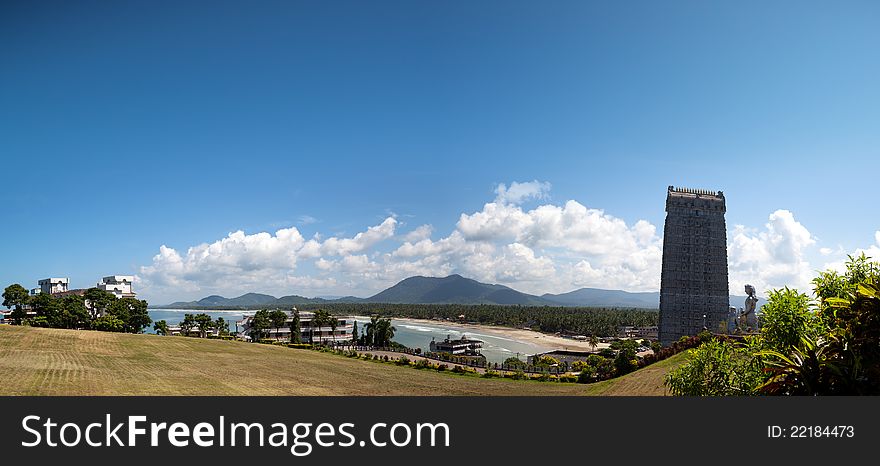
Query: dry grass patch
x=37 y=361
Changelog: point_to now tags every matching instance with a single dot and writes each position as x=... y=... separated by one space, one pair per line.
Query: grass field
x=38 y=361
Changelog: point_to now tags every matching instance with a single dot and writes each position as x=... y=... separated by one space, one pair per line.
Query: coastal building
x=119 y=285
x=53 y=285
x=563 y=356
x=177 y=330
x=463 y=346
x=309 y=333
x=693 y=281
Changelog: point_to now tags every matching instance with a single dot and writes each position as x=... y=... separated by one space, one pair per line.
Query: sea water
x=496 y=348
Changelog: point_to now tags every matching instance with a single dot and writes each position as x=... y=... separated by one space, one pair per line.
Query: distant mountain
x=453 y=289
x=605 y=298
x=251 y=301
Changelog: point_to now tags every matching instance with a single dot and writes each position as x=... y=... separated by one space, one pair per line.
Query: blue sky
x=132 y=125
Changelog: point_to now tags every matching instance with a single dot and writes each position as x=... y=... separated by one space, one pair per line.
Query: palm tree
x=384 y=332
x=371 y=328
x=320 y=319
x=333 y=322
x=594 y=341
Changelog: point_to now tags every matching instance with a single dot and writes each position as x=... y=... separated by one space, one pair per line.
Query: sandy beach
x=538 y=338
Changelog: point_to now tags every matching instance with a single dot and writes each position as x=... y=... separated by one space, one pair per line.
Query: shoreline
x=548 y=340
x=555 y=342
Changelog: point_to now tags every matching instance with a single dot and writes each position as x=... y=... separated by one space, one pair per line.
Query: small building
x=628 y=331
x=463 y=346
x=119 y=285
x=177 y=330
x=564 y=356
x=53 y=285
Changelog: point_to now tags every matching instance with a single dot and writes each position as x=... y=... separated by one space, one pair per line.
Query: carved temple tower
x=693 y=283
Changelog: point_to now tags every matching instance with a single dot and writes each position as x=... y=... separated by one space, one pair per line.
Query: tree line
x=96 y=309
x=202 y=322
x=575 y=320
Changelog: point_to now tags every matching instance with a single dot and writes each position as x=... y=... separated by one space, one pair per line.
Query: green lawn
x=37 y=361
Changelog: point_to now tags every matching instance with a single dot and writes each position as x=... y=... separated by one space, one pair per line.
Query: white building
x=54 y=285
x=308 y=332
x=119 y=285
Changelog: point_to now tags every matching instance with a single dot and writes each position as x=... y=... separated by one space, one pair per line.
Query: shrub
x=299 y=345
x=489 y=374
x=422 y=364
x=442 y=367
x=402 y=361
x=568 y=378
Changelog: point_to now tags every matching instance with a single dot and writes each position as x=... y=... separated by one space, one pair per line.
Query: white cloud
x=307 y=220
x=257 y=262
x=771 y=258
x=420 y=233
x=549 y=248
x=518 y=193
x=361 y=241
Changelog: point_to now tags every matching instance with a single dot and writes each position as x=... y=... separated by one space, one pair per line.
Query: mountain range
x=453 y=289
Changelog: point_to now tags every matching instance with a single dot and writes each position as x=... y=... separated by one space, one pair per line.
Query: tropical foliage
x=575 y=320
x=827 y=344
x=96 y=309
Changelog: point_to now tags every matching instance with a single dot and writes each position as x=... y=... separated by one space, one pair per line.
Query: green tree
x=188 y=323
x=132 y=312
x=204 y=322
x=99 y=301
x=333 y=322
x=46 y=306
x=295 y=328
x=320 y=319
x=108 y=323
x=717 y=368
x=594 y=342
x=222 y=326
x=786 y=318
x=16 y=297
x=513 y=363
x=384 y=332
x=161 y=327
x=370 y=333
x=72 y=313
x=625 y=361
x=354 y=332
x=277 y=318
x=260 y=322
x=845 y=358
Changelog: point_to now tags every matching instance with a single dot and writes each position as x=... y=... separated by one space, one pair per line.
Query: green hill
x=38 y=361
x=453 y=289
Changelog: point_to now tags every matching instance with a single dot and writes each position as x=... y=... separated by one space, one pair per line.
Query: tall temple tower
x=694 y=292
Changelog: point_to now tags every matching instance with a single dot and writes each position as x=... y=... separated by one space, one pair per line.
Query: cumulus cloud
x=254 y=262
x=420 y=233
x=772 y=257
x=361 y=241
